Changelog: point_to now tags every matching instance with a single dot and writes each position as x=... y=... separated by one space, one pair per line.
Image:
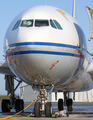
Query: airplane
x=46 y=48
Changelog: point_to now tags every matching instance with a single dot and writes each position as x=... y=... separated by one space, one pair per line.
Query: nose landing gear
x=44 y=106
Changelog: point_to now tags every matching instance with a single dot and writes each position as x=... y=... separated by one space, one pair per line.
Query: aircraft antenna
x=74 y=8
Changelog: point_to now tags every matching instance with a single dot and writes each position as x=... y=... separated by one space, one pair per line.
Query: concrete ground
x=81 y=111
x=71 y=117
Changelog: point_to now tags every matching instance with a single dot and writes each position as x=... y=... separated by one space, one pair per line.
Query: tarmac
x=71 y=117
x=81 y=111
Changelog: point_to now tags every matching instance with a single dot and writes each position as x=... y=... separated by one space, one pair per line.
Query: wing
x=4 y=69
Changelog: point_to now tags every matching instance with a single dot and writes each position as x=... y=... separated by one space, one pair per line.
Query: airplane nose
x=44 y=58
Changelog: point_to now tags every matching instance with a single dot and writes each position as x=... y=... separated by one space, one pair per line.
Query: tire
x=37 y=109
x=69 y=104
x=4 y=105
x=19 y=105
x=48 y=109
x=60 y=104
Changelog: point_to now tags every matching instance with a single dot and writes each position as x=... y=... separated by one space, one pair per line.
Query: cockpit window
x=52 y=24
x=16 y=25
x=57 y=24
x=26 y=23
x=41 y=23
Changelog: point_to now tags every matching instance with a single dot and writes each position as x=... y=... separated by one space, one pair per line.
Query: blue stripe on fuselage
x=44 y=52
x=43 y=44
x=41 y=51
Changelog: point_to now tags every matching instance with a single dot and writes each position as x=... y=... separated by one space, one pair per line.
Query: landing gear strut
x=7 y=104
x=43 y=107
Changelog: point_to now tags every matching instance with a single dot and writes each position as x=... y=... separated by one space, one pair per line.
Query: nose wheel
x=48 y=109
x=37 y=108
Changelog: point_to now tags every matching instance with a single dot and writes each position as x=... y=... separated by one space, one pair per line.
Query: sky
x=9 y=9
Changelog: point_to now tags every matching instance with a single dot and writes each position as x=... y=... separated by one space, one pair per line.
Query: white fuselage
x=44 y=55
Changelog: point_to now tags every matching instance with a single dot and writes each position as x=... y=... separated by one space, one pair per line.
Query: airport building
x=27 y=94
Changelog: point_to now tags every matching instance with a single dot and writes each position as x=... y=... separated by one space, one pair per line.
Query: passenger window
x=16 y=25
x=52 y=24
x=41 y=23
x=57 y=24
x=26 y=23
